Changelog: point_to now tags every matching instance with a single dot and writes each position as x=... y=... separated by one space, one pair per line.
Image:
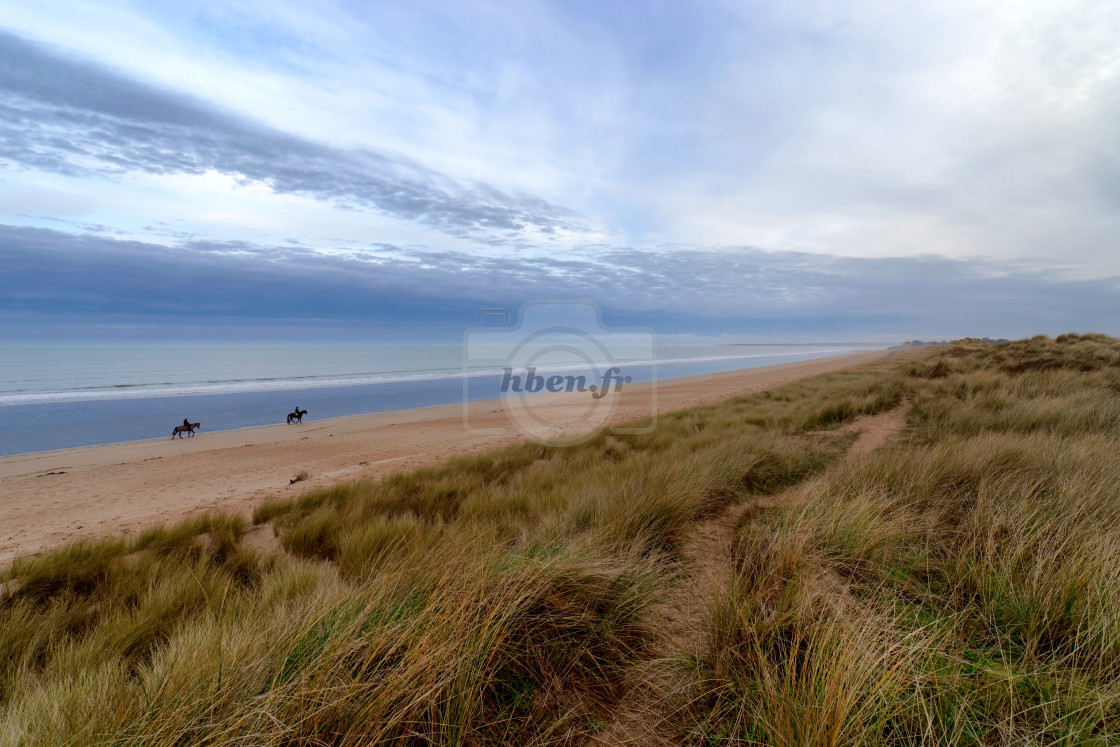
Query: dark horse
x=296 y=417
x=188 y=429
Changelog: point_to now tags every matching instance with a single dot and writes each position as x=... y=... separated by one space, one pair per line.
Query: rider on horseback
x=187 y=422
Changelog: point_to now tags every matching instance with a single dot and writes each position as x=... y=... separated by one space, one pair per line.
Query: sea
x=55 y=396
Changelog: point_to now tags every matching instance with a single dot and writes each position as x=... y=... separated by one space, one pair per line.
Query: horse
x=179 y=430
x=296 y=417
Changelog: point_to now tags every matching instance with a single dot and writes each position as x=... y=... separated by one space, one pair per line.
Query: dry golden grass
x=956 y=586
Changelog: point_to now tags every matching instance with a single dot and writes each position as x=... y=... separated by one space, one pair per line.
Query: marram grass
x=956 y=586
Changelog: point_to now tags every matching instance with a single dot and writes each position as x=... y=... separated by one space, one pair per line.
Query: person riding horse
x=187 y=427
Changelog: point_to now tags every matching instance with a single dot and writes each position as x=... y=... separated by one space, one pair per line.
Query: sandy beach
x=49 y=498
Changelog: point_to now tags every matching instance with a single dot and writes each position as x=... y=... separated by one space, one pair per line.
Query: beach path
x=50 y=498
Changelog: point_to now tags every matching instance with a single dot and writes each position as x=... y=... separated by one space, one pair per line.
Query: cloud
x=861 y=129
x=874 y=129
x=70 y=117
x=737 y=290
x=797 y=167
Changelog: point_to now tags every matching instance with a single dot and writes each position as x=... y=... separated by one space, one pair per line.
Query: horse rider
x=187 y=422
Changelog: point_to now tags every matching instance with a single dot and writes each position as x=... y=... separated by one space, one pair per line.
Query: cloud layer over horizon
x=54 y=276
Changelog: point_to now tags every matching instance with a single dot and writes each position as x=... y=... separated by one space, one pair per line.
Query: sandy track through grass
x=681 y=619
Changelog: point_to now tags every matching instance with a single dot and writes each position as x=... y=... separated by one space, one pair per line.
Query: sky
x=724 y=170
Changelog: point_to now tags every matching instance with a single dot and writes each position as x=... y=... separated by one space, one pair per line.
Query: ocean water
x=60 y=396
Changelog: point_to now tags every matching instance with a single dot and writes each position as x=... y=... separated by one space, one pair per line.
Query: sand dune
x=48 y=498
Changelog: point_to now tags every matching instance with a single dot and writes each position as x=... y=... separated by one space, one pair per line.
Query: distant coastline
x=47 y=426
x=868 y=345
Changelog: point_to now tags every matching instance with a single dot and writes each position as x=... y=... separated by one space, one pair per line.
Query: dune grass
x=958 y=586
